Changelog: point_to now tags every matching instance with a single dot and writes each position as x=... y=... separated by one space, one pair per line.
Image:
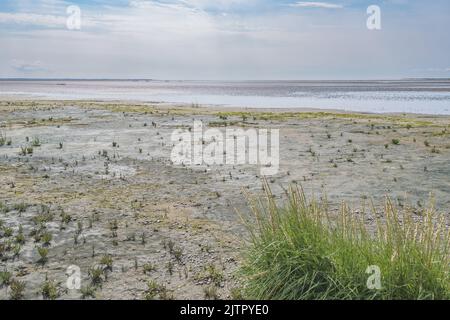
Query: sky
x=224 y=39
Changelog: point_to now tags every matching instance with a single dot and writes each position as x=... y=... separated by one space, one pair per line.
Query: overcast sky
x=225 y=39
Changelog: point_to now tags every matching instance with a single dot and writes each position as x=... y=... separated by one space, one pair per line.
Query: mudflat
x=91 y=185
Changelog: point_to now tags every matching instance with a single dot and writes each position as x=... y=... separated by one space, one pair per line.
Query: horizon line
x=217 y=80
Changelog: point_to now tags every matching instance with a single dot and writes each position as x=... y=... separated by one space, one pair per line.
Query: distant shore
x=420 y=96
x=198 y=108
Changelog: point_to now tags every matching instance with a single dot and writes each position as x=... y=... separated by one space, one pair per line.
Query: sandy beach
x=99 y=179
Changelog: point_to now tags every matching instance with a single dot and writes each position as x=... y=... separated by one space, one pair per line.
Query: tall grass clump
x=301 y=251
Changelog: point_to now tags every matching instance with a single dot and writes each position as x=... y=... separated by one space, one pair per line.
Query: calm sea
x=412 y=96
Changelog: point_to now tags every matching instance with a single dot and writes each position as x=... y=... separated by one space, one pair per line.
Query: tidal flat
x=91 y=184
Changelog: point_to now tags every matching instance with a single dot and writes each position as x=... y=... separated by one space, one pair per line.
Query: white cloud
x=324 y=5
x=27 y=67
x=32 y=19
x=191 y=39
x=146 y=4
x=219 y=4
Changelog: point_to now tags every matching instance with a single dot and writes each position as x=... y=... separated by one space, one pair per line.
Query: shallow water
x=411 y=96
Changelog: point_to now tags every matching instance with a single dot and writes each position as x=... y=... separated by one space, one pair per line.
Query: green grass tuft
x=299 y=251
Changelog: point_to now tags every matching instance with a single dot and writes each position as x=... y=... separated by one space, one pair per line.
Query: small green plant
x=4 y=140
x=113 y=225
x=87 y=292
x=20 y=207
x=154 y=289
x=79 y=227
x=170 y=245
x=212 y=274
x=149 y=267
x=16 y=289
x=36 y=233
x=5 y=278
x=211 y=292
x=20 y=237
x=36 y=142
x=43 y=218
x=96 y=275
x=7 y=232
x=65 y=218
x=49 y=290
x=26 y=150
x=16 y=250
x=43 y=254
x=46 y=238
x=395 y=141
x=170 y=267
x=107 y=262
x=3 y=209
x=177 y=253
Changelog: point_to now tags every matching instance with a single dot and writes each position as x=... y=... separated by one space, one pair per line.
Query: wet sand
x=106 y=166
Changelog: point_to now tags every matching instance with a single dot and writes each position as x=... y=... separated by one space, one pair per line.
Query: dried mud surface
x=100 y=181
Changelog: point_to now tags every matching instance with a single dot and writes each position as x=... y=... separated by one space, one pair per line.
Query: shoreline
x=208 y=108
x=382 y=97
